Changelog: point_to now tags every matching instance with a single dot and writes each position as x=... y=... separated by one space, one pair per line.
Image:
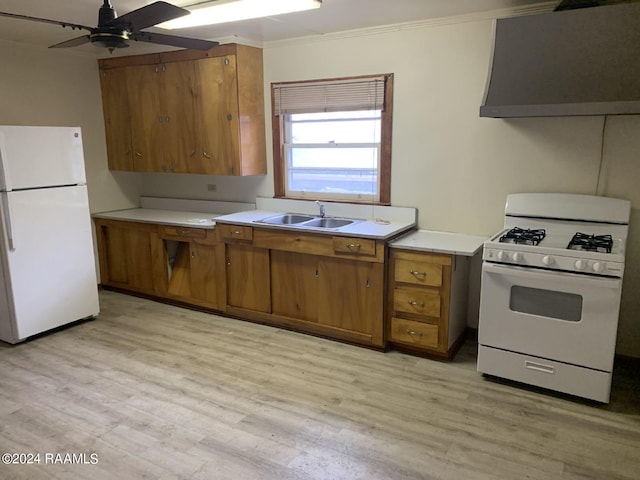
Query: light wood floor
x=161 y=392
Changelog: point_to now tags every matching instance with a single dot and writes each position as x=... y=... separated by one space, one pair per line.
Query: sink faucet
x=321 y=207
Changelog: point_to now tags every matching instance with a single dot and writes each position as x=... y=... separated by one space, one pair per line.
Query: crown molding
x=545 y=7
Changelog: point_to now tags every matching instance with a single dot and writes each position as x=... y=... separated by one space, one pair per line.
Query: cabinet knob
x=138 y=154
x=229 y=117
x=205 y=154
x=228 y=261
x=193 y=152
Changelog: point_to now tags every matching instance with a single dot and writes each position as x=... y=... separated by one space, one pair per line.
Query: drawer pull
x=352 y=246
x=236 y=232
x=539 y=367
x=418 y=274
x=413 y=332
x=185 y=232
x=416 y=304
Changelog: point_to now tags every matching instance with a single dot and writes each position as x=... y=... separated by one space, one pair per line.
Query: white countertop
x=176 y=211
x=441 y=242
x=385 y=222
x=376 y=229
x=164 y=217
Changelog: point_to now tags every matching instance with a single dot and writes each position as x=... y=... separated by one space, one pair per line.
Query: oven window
x=546 y=303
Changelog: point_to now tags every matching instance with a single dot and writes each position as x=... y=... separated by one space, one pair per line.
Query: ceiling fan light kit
x=224 y=11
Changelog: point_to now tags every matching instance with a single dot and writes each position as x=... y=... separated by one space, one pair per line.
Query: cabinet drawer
x=418 y=301
x=169 y=231
x=418 y=273
x=414 y=333
x=357 y=246
x=236 y=232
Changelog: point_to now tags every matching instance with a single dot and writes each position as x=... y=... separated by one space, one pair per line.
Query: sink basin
x=286 y=219
x=329 y=222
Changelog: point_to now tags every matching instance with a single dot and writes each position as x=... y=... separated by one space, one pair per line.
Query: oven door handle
x=534 y=273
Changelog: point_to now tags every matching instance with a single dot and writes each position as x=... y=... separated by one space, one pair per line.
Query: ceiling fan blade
x=73 y=26
x=74 y=42
x=174 y=41
x=148 y=16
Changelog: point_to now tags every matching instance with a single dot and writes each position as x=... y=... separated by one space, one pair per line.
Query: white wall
x=45 y=87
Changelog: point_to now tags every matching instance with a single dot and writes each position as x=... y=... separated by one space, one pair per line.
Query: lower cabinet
x=248 y=278
x=130 y=256
x=193 y=264
x=352 y=293
x=295 y=283
x=174 y=263
x=427 y=303
x=306 y=282
x=316 y=283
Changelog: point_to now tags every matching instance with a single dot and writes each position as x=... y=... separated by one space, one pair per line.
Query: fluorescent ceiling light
x=223 y=11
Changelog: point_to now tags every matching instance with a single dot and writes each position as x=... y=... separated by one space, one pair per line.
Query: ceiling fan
x=115 y=32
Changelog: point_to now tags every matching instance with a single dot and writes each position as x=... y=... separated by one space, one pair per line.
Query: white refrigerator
x=47 y=264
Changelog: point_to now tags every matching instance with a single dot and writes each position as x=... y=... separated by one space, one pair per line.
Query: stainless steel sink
x=286 y=219
x=307 y=221
x=329 y=222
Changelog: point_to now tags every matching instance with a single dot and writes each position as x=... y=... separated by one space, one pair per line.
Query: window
x=332 y=139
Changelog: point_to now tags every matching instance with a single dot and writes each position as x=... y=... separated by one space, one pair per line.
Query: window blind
x=343 y=95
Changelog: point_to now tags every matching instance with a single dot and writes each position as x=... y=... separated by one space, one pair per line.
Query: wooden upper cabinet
x=187 y=111
x=144 y=92
x=216 y=116
x=115 y=106
x=162 y=124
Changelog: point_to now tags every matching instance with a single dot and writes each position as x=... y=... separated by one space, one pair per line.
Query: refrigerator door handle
x=6 y=215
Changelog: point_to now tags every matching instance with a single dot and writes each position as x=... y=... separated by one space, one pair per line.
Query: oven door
x=560 y=316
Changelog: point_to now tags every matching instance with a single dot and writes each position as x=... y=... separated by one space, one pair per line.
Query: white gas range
x=550 y=296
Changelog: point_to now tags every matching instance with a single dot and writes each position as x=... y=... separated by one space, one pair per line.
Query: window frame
x=384 y=172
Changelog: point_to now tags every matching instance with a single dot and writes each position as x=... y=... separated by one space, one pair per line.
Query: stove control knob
x=516 y=257
x=580 y=264
x=502 y=256
x=548 y=260
x=599 y=267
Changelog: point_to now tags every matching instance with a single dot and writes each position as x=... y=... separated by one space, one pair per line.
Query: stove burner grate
x=592 y=243
x=524 y=236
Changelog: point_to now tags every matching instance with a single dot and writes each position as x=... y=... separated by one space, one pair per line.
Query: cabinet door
x=144 y=91
x=115 y=106
x=351 y=296
x=207 y=278
x=294 y=285
x=248 y=279
x=177 y=106
x=130 y=258
x=216 y=117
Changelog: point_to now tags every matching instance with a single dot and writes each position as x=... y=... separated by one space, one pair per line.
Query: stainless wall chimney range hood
x=582 y=61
